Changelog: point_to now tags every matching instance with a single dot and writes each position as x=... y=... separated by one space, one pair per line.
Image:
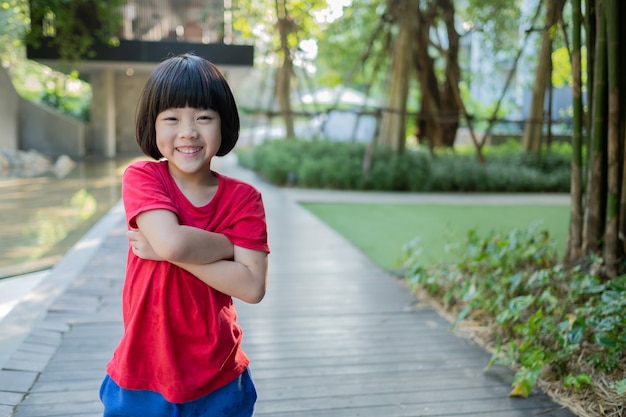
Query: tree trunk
x=596 y=184
x=428 y=118
x=590 y=41
x=604 y=218
x=622 y=203
x=622 y=84
x=430 y=109
x=392 y=134
x=451 y=101
x=283 y=75
x=611 y=254
x=531 y=140
x=574 y=250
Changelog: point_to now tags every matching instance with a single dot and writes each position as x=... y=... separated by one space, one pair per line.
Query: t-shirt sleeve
x=248 y=227
x=144 y=190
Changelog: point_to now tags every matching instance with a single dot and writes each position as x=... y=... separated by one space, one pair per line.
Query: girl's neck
x=199 y=189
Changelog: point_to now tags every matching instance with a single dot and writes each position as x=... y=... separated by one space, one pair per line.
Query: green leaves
x=415 y=170
x=524 y=381
x=516 y=307
x=578 y=381
x=547 y=318
x=63 y=24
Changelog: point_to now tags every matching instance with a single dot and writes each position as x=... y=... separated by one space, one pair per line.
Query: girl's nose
x=188 y=131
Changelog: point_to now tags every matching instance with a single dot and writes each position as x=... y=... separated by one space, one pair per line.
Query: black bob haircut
x=181 y=81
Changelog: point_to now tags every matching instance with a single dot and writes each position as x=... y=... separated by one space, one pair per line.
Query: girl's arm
x=244 y=278
x=160 y=237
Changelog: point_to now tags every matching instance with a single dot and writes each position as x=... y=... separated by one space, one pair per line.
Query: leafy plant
x=56 y=94
x=73 y=26
x=542 y=315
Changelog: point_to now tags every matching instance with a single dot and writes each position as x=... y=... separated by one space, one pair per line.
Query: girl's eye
x=167 y=117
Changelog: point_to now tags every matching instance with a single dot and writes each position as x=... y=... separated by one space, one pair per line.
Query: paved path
x=335 y=336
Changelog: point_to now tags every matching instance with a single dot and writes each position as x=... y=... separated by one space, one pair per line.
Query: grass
x=381 y=230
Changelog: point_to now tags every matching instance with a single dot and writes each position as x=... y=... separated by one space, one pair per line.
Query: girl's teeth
x=188 y=150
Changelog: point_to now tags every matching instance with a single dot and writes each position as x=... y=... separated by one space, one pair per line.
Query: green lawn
x=381 y=230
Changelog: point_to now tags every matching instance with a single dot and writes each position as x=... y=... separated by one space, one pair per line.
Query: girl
x=197 y=238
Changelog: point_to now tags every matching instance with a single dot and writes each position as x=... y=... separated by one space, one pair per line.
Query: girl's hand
x=140 y=245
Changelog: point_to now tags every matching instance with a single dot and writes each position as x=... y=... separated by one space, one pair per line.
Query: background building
x=150 y=31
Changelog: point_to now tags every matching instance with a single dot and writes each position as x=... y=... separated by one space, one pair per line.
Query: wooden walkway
x=335 y=336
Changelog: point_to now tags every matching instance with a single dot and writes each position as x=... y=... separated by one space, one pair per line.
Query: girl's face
x=189 y=138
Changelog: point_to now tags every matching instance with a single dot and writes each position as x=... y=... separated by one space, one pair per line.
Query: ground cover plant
x=562 y=330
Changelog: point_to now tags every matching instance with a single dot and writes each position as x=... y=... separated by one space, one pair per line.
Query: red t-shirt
x=181 y=337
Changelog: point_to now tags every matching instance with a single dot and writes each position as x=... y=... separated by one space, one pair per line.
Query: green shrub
x=406 y=172
x=461 y=173
x=276 y=161
x=339 y=165
x=73 y=105
x=329 y=172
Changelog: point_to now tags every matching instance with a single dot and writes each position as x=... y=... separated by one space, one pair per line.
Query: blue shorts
x=233 y=400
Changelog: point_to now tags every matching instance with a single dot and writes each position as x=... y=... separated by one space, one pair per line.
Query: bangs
x=183 y=83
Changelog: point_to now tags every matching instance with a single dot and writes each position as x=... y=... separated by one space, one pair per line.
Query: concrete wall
x=9 y=103
x=50 y=132
x=97 y=124
x=30 y=126
x=127 y=91
x=115 y=96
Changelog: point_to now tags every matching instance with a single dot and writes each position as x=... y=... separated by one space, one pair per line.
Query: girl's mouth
x=188 y=151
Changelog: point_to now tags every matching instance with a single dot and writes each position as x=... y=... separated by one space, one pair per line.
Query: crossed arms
x=211 y=257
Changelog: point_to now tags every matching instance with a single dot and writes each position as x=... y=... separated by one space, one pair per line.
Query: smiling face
x=188 y=138
x=186 y=82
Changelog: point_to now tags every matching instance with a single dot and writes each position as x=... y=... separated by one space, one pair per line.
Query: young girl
x=197 y=238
